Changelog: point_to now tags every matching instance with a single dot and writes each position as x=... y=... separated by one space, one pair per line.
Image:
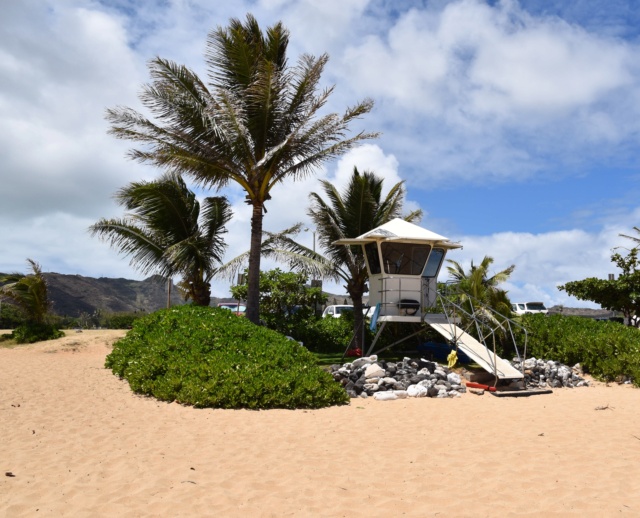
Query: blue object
x=374 y=318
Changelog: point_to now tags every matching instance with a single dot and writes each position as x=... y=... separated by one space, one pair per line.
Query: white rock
x=417 y=391
x=454 y=378
x=564 y=372
x=454 y=393
x=374 y=371
x=440 y=373
x=402 y=394
x=385 y=396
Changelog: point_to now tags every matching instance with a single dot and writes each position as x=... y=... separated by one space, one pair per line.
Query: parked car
x=237 y=308
x=525 y=308
x=336 y=310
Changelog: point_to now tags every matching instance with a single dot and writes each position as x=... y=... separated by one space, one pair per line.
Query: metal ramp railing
x=465 y=322
x=464 y=314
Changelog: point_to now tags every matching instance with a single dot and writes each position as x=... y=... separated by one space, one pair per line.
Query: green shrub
x=120 y=320
x=209 y=357
x=334 y=335
x=10 y=316
x=29 y=333
x=325 y=335
x=604 y=349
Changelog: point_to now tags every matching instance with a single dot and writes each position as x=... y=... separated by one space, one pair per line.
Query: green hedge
x=606 y=350
x=29 y=333
x=209 y=357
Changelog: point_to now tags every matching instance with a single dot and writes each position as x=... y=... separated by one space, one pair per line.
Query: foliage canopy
x=29 y=293
x=209 y=357
x=169 y=232
x=257 y=123
x=621 y=294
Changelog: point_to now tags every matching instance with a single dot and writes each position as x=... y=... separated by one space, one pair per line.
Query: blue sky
x=515 y=125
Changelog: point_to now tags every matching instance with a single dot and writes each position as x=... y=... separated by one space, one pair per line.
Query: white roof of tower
x=400 y=230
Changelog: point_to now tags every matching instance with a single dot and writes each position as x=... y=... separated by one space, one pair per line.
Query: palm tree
x=359 y=209
x=633 y=238
x=256 y=124
x=168 y=232
x=28 y=292
x=477 y=284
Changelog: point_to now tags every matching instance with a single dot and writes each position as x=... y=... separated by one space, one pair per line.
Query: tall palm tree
x=255 y=124
x=478 y=284
x=359 y=209
x=169 y=233
x=28 y=292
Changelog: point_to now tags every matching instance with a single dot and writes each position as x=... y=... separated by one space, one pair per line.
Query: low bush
x=28 y=333
x=120 y=320
x=209 y=357
x=325 y=335
x=605 y=350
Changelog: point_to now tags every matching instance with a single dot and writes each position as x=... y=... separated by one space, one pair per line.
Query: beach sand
x=75 y=441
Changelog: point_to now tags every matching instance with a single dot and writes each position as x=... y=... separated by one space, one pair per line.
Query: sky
x=514 y=125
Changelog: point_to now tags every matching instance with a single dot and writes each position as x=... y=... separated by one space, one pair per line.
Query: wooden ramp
x=477 y=352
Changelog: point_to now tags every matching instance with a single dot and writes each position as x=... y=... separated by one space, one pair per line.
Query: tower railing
x=469 y=314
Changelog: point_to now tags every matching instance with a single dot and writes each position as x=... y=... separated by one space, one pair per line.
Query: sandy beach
x=75 y=441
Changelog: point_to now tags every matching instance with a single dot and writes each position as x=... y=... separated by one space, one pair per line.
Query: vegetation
x=10 y=316
x=102 y=319
x=621 y=294
x=168 y=233
x=255 y=124
x=29 y=294
x=477 y=284
x=359 y=209
x=476 y=290
x=635 y=239
x=606 y=350
x=328 y=335
x=209 y=357
x=286 y=302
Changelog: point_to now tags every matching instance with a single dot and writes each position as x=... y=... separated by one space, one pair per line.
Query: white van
x=525 y=308
x=336 y=310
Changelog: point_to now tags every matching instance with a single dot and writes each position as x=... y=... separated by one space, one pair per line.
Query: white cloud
x=544 y=261
x=367 y=157
x=485 y=92
x=490 y=61
x=466 y=93
x=53 y=138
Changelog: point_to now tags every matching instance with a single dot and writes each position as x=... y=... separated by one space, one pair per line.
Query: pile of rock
x=547 y=373
x=370 y=376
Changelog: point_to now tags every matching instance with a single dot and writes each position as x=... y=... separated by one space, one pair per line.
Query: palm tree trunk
x=253 y=288
x=201 y=293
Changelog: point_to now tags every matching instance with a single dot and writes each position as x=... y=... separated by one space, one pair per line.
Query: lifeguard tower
x=403 y=261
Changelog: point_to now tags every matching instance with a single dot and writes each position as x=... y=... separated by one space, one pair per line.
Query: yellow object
x=452 y=359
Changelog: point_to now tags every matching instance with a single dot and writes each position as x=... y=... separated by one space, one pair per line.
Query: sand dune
x=74 y=441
